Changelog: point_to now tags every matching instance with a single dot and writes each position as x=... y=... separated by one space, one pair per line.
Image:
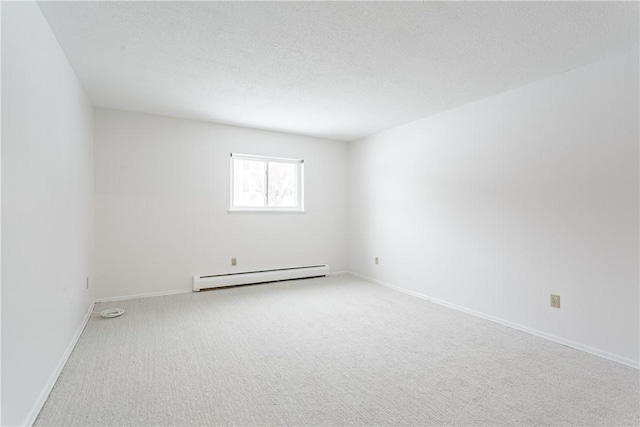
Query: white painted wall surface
x=47 y=209
x=497 y=204
x=162 y=194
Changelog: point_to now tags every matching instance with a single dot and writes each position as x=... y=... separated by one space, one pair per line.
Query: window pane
x=248 y=180
x=282 y=185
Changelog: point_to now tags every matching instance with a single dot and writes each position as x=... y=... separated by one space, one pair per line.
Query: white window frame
x=267 y=209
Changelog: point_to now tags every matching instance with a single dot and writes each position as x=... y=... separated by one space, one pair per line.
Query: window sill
x=265 y=211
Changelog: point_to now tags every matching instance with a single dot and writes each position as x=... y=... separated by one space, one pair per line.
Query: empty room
x=320 y=213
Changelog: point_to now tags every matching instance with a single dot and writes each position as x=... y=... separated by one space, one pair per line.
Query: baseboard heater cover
x=246 y=278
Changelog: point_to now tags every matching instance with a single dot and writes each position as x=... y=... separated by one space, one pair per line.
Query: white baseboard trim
x=151 y=294
x=338 y=273
x=587 y=349
x=37 y=407
x=173 y=292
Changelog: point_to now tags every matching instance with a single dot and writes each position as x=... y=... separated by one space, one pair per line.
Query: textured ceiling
x=339 y=70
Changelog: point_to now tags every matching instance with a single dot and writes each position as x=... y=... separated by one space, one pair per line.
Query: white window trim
x=260 y=210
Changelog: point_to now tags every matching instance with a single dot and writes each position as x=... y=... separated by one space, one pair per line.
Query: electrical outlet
x=87 y=282
x=376 y=260
x=555 y=301
x=233 y=261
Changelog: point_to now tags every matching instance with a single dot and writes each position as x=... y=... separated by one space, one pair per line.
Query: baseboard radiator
x=262 y=276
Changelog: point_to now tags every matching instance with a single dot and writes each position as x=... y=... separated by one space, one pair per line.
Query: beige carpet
x=327 y=351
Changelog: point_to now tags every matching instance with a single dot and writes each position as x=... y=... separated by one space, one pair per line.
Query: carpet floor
x=326 y=351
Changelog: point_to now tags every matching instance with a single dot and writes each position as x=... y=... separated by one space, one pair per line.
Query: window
x=266 y=184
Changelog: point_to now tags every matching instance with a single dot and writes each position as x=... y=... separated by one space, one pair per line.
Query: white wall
x=497 y=204
x=47 y=209
x=162 y=194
